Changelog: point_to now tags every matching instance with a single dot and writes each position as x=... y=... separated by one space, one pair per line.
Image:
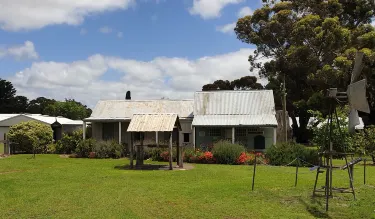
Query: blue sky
x=97 y=50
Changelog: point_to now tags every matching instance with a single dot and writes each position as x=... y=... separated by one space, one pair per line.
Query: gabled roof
x=255 y=102
x=234 y=108
x=153 y=123
x=125 y=109
x=42 y=118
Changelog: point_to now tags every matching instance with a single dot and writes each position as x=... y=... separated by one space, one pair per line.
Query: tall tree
x=20 y=104
x=38 y=105
x=312 y=44
x=69 y=108
x=244 y=83
x=7 y=93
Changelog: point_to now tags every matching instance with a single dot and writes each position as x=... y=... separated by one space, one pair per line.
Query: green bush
x=69 y=142
x=84 y=147
x=108 y=149
x=284 y=153
x=27 y=136
x=227 y=153
x=155 y=154
x=51 y=148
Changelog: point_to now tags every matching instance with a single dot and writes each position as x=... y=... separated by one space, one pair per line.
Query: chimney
x=128 y=97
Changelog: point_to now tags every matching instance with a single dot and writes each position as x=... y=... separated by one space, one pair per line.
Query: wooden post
x=170 y=153
x=194 y=137
x=255 y=166
x=157 y=138
x=180 y=155
x=364 y=171
x=84 y=130
x=233 y=135
x=131 y=150
x=178 y=152
x=295 y=182
x=119 y=132
x=139 y=153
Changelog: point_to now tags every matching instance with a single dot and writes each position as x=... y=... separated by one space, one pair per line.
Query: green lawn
x=54 y=187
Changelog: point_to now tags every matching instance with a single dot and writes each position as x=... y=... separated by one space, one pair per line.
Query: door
x=259 y=142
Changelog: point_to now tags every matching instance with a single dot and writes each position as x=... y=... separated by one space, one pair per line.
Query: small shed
x=142 y=123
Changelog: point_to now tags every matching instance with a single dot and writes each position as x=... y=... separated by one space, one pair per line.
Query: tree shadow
x=142 y=167
x=316 y=211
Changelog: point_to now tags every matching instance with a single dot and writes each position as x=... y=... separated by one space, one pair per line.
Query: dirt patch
x=154 y=167
x=64 y=155
x=3 y=155
x=13 y=171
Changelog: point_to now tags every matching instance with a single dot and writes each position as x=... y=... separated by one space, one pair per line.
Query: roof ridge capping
x=234 y=91
x=148 y=100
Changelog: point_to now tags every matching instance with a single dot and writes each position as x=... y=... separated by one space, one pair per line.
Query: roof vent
x=128 y=97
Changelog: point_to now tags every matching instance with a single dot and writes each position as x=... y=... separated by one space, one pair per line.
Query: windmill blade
x=357 y=96
x=358 y=66
x=353 y=120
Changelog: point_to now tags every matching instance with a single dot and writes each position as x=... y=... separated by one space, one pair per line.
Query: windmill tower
x=356 y=96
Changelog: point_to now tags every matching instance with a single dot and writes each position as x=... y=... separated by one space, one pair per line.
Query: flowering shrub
x=206 y=157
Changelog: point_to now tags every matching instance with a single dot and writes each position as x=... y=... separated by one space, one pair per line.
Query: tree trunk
x=301 y=133
x=140 y=153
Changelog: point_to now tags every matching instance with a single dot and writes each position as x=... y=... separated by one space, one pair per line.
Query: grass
x=54 y=187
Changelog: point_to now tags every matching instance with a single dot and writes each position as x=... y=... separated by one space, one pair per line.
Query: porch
x=252 y=138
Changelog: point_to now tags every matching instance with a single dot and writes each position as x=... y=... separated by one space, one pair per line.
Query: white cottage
x=110 y=116
x=246 y=117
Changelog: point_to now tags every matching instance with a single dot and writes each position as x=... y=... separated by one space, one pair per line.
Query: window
x=214 y=132
x=186 y=137
x=240 y=132
x=254 y=131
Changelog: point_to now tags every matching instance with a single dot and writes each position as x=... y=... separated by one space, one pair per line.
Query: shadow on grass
x=142 y=167
x=315 y=208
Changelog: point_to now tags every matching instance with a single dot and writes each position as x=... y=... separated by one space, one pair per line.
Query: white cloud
x=228 y=28
x=120 y=34
x=18 y=15
x=160 y=77
x=83 y=31
x=209 y=9
x=244 y=12
x=24 y=51
x=105 y=30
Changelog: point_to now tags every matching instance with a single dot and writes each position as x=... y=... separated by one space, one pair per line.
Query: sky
x=91 y=50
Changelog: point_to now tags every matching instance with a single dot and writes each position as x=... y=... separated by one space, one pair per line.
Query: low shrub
x=155 y=154
x=69 y=142
x=189 y=155
x=107 y=149
x=51 y=148
x=226 y=152
x=249 y=158
x=84 y=147
x=284 y=153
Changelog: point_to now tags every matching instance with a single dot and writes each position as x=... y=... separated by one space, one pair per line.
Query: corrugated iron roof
x=235 y=120
x=42 y=118
x=234 y=103
x=125 y=109
x=152 y=122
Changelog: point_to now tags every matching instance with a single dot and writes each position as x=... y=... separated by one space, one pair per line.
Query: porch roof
x=235 y=120
x=153 y=123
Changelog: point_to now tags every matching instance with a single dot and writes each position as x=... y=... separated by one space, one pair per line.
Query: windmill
x=356 y=97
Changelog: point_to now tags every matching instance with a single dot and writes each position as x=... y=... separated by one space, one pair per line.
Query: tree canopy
x=244 y=83
x=10 y=103
x=313 y=44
